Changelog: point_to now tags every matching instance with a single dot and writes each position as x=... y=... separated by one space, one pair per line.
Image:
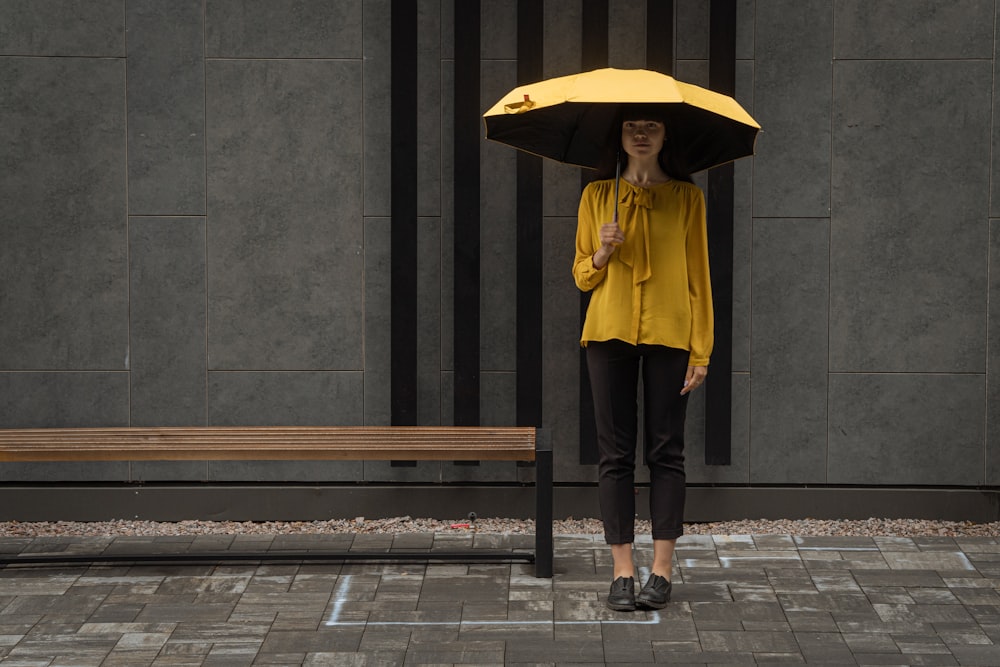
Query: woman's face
x=642 y=138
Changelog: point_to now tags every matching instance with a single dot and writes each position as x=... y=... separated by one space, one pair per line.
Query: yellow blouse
x=656 y=288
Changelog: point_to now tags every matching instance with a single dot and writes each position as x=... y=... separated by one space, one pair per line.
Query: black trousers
x=614 y=368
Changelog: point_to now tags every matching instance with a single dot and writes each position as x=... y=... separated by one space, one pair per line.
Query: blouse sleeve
x=586 y=275
x=700 y=285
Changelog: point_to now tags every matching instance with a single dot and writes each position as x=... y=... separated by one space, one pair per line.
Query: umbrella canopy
x=572 y=118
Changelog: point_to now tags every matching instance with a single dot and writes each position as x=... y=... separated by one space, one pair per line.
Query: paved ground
x=737 y=600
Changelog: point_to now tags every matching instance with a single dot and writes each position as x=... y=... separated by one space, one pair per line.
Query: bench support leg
x=543 y=508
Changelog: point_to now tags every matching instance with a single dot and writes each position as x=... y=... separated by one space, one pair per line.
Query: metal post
x=543 y=505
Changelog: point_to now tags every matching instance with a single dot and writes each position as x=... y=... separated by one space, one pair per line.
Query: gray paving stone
x=932 y=596
x=834 y=542
x=774 y=542
x=129 y=658
x=936 y=542
x=729 y=576
x=893 y=543
x=968 y=636
x=844 y=602
x=703 y=658
x=976 y=596
x=323 y=640
x=349 y=659
x=976 y=654
x=924 y=579
x=922 y=613
x=978 y=544
x=643 y=628
x=818 y=646
x=379 y=638
x=894 y=659
x=766 y=626
x=627 y=652
x=754 y=641
x=541 y=650
x=940 y=561
x=870 y=642
x=752 y=593
x=776 y=659
x=688 y=592
x=870 y=621
x=888 y=595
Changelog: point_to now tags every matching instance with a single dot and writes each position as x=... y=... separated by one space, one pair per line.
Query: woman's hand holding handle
x=611 y=237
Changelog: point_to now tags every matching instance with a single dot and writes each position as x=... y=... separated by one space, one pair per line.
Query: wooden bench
x=306 y=443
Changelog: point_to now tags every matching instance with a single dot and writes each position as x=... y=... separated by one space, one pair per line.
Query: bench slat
x=210 y=443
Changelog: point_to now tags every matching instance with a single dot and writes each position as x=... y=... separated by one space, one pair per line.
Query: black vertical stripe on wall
x=467 y=130
x=530 y=35
x=660 y=36
x=719 y=387
x=403 y=246
x=594 y=25
x=660 y=40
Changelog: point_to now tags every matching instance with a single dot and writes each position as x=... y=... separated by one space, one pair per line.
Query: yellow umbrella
x=573 y=118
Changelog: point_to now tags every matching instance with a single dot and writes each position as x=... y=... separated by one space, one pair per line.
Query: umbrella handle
x=618 y=178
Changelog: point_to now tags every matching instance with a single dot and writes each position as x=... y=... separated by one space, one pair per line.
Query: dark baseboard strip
x=176 y=502
x=331 y=556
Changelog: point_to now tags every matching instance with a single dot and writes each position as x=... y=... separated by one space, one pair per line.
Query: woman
x=650 y=312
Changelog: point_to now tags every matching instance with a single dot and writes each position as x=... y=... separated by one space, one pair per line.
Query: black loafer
x=622 y=595
x=655 y=594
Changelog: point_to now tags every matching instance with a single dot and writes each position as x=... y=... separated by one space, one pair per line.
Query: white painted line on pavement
x=467 y=624
x=344 y=588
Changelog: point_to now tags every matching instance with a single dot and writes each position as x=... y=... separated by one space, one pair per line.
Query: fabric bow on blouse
x=633 y=218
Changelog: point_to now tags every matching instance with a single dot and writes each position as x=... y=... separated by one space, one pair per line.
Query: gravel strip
x=811 y=527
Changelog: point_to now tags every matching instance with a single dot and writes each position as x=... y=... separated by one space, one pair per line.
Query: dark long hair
x=670 y=163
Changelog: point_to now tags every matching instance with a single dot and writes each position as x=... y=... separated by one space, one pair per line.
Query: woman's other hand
x=695 y=378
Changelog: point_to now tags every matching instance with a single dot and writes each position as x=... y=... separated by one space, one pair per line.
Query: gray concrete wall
x=194 y=229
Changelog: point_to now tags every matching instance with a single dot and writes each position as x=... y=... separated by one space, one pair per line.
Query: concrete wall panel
x=792 y=98
x=63 y=241
x=561 y=57
x=788 y=355
x=378 y=322
x=691 y=19
x=94 y=28
x=742 y=233
x=306 y=398
x=167 y=326
x=285 y=228
x=908 y=273
x=993 y=362
x=561 y=348
x=429 y=321
x=626 y=34
x=429 y=108
x=906 y=429
x=63 y=399
x=267 y=29
x=913 y=29
x=166 y=107
x=497 y=232
x=377 y=100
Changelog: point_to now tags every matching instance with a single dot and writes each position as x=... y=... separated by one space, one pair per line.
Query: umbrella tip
x=519 y=107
